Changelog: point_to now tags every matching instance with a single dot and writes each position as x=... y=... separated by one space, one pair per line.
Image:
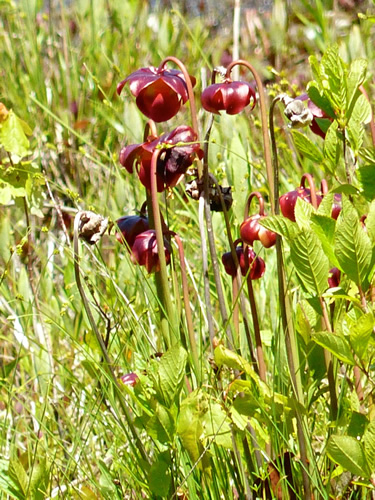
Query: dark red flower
x=334 y=277
x=321 y=121
x=232 y=97
x=130 y=379
x=145 y=251
x=130 y=226
x=256 y=264
x=288 y=201
x=159 y=92
x=172 y=162
x=251 y=230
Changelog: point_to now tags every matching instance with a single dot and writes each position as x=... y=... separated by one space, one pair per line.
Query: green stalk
x=136 y=442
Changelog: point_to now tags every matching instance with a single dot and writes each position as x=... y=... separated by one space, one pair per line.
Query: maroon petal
x=237 y=96
x=138 y=80
x=158 y=101
x=128 y=155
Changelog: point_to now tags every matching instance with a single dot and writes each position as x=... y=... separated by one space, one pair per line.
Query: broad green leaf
x=360 y=333
x=336 y=344
x=361 y=112
x=231 y=359
x=171 y=373
x=369 y=445
x=352 y=246
x=356 y=133
x=216 y=426
x=13 y=138
x=366 y=177
x=317 y=96
x=280 y=225
x=39 y=481
x=9 y=486
x=324 y=228
x=310 y=262
x=302 y=213
x=368 y=154
x=348 y=452
x=332 y=147
x=306 y=147
x=159 y=478
x=344 y=189
x=357 y=425
x=161 y=426
x=333 y=74
x=370 y=221
x=356 y=76
x=107 y=486
x=18 y=474
x=190 y=427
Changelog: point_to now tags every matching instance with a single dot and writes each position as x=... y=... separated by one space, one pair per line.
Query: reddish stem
x=310 y=181
x=189 y=86
x=254 y=194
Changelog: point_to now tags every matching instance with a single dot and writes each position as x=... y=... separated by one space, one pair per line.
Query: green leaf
x=216 y=426
x=171 y=373
x=336 y=344
x=311 y=263
x=352 y=245
x=302 y=213
x=39 y=480
x=369 y=445
x=18 y=475
x=8 y=485
x=190 y=427
x=356 y=133
x=333 y=74
x=324 y=228
x=360 y=333
x=356 y=76
x=366 y=177
x=348 y=452
x=368 y=154
x=361 y=112
x=332 y=147
x=317 y=96
x=370 y=221
x=231 y=359
x=280 y=225
x=161 y=426
x=159 y=478
x=306 y=147
x=13 y=138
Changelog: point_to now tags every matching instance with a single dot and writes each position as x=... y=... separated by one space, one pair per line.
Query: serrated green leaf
x=369 y=445
x=368 y=154
x=317 y=96
x=366 y=178
x=13 y=138
x=334 y=77
x=370 y=221
x=324 y=228
x=348 y=452
x=310 y=262
x=306 y=147
x=356 y=76
x=332 y=147
x=280 y=225
x=171 y=373
x=352 y=246
x=336 y=344
x=162 y=426
x=361 y=112
x=226 y=357
x=302 y=213
x=216 y=426
x=356 y=132
x=360 y=333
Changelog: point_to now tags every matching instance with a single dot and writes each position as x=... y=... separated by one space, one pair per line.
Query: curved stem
x=254 y=194
x=150 y=129
x=166 y=298
x=189 y=319
x=137 y=444
x=263 y=115
x=189 y=86
x=309 y=178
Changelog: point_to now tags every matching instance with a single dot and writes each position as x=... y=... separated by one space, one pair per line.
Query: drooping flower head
x=231 y=97
x=145 y=251
x=256 y=264
x=179 y=153
x=159 y=92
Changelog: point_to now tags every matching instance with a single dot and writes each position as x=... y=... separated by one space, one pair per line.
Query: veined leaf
x=361 y=112
x=356 y=132
x=370 y=221
x=334 y=74
x=159 y=478
x=171 y=373
x=356 y=76
x=336 y=344
x=302 y=213
x=280 y=225
x=369 y=445
x=317 y=96
x=368 y=154
x=306 y=147
x=324 y=228
x=310 y=261
x=332 y=147
x=360 y=333
x=348 y=452
x=13 y=138
x=352 y=246
x=366 y=177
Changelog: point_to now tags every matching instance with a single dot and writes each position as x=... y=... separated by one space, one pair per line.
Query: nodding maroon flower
x=320 y=118
x=334 y=277
x=172 y=162
x=231 y=97
x=288 y=201
x=251 y=230
x=130 y=379
x=256 y=264
x=130 y=227
x=145 y=251
x=159 y=92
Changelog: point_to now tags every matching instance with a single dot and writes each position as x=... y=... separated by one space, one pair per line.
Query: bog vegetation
x=187 y=250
